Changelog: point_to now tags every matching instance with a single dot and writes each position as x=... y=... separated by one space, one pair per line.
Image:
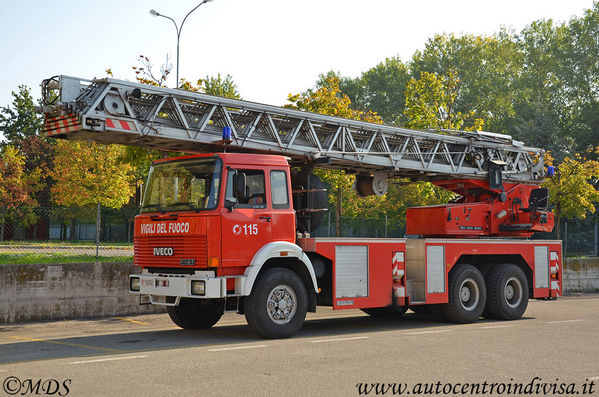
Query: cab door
x=248 y=225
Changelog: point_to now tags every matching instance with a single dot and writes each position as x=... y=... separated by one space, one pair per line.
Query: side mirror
x=239 y=183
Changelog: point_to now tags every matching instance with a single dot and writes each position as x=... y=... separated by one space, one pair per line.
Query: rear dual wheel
x=507 y=288
x=467 y=295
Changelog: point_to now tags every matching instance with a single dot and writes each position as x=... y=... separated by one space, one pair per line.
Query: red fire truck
x=228 y=228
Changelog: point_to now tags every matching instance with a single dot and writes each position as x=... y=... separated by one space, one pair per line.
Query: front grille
x=184 y=247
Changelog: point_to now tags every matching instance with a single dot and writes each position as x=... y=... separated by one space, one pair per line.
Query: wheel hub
x=281 y=304
x=513 y=292
x=465 y=294
x=509 y=292
x=469 y=294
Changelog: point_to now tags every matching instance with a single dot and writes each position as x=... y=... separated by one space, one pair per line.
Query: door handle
x=266 y=218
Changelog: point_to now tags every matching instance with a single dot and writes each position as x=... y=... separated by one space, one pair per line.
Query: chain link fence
x=65 y=235
x=60 y=235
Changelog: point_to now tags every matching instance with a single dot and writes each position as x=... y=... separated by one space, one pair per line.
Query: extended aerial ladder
x=218 y=232
x=484 y=165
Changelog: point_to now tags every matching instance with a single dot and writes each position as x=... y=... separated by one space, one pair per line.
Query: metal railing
x=59 y=234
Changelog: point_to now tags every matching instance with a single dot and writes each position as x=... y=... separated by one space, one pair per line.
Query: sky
x=271 y=48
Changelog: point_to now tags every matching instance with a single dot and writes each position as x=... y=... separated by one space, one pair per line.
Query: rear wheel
x=386 y=312
x=277 y=305
x=467 y=295
x=507 y=288
x=196 y=313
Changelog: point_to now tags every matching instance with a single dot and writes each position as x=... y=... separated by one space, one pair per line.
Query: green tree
x=220 y=87
x=327 y=98
x=16 y=189
x=486 y=68
x=431 y=103
x=540 y=101
x=579 y=72
x=380 y=89
x=20 y=120
x=91 y=175
x=573 y=189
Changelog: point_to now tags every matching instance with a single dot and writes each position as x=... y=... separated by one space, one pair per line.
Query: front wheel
x=277 y=305
x=196 y=313
x=467 y=295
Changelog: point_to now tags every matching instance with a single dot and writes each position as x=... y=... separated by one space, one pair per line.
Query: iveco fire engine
x=228 y=228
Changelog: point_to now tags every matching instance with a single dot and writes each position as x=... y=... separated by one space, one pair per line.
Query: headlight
x=134 y=284
x=198 y=287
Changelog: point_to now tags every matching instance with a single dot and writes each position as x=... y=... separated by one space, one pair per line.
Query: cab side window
x=279 y=192
x=254 y=196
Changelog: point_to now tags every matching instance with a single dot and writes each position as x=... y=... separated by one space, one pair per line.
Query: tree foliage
x=573 y=189
x=327 y=98
x=431 y=103
x=17 y=188
x=20 y=120
x=88 y=174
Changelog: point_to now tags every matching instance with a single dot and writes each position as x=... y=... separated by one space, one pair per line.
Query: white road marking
x=339 y=339
x=498 y=326
x=564 y=321
x=427 y=332
x=594 y=378
x=221 y=349
x=106 y=359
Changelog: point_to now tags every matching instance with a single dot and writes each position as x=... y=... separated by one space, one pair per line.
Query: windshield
x=183 y=185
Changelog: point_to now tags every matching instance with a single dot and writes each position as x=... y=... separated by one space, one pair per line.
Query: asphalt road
x=335 y=354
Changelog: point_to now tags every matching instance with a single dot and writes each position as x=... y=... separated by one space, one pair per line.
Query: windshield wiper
x=157 y=206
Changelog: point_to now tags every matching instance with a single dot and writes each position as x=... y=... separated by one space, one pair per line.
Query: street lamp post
x=178 y=28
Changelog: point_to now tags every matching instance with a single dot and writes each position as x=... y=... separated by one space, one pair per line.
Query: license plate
x=159 y=282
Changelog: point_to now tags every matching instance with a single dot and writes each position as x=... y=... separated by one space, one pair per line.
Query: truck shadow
x=21 y=349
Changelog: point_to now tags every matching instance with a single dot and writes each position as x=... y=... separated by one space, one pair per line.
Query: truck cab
x=208 y=224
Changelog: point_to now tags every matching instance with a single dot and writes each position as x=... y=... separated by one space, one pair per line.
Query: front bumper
x=176 y=286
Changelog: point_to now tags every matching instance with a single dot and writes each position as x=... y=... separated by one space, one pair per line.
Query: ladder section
x=115 y=111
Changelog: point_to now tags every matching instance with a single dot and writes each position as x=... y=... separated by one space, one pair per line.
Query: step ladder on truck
x=227 y=228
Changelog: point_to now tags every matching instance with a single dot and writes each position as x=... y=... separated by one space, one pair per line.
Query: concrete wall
x=55 y=292
x=581 y=275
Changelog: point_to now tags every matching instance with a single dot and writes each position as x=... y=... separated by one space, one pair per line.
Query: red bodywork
x=393 y=264
x=365 y=272
x=480 y=212
x=218 y=239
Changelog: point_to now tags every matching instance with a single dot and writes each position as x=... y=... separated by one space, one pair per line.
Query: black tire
x=386 y=312
x=261 y=312
x=467 y=295
x=507 y=292
x=196 y=313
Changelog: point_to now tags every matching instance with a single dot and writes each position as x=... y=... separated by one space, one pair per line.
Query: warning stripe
x=69 y=123
x=120 y=125
x=61 y=125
